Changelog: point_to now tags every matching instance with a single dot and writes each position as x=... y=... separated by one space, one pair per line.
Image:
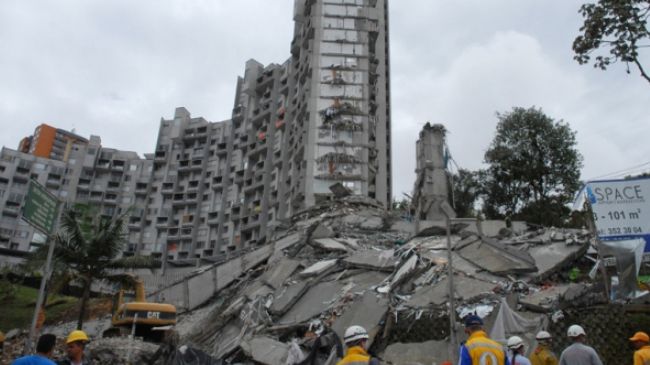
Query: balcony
x=213 y=218
x=11 y=210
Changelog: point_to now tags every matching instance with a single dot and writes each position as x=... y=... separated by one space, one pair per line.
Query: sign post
x=41 y=211
x=621 y=209
x=621 y=215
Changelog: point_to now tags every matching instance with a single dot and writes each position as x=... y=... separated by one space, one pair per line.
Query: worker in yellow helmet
x=74 y=349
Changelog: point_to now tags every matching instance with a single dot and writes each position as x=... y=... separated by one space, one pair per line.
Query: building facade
x=339 y=110
x=50 y=142
x=212 y=188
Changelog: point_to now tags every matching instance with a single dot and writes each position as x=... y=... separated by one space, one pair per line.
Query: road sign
x=621 y=209
x=40 y=208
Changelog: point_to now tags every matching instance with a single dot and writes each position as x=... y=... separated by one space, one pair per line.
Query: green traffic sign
x=40 y=207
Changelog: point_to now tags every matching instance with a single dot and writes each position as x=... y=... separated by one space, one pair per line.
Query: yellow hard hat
x=77 y=336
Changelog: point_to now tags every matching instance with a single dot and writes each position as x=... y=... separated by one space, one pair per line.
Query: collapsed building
x=351 y=262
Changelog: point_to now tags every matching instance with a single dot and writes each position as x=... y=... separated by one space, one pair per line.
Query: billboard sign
x=40 y=207
x=621 y=209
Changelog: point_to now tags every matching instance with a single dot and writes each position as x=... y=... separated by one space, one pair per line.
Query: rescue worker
x=641 y=343
x=356 y=340
x=517 y=351
x=479 y=349
x=74 y=349
x=543 y=354
x=44 y=350
x=578 y=353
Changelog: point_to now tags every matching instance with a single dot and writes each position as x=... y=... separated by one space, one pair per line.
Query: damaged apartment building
x=212 y=188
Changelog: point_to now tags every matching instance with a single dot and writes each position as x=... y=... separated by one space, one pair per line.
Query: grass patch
x=18 y=311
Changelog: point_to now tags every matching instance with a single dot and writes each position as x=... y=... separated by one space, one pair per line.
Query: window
x=63 y=193
x=134 y=168
x=21 y=234
x=39 y=166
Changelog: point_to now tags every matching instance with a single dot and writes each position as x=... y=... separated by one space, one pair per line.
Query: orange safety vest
x=485 y=351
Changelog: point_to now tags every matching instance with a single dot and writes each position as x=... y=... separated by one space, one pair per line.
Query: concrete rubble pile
x=351 y=262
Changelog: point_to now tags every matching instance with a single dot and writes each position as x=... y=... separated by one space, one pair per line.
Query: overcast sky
x=114 y=68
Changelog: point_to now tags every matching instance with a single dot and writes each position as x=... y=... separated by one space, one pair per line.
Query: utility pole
x=449 y=213
x=41 y=209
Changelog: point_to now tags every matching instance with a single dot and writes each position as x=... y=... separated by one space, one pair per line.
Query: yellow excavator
x=133 y=314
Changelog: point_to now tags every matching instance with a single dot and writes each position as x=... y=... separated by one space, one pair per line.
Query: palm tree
x=88 y=248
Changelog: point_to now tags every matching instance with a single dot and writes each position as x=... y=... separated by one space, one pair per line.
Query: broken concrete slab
x=364 y=221
x=286 y=297
x=227 y=340
x=543 y=300
x=280 y=272
x=372 y=259
x=438 y=228
x=322 y=231
x=351 y=242
x=407 y=268
x=313 y=303
x=339 y=190
x=366 y=311
x=257 y=289
x=403 y=226
x=416 y=353
x=493 y=228
x=553 y=256
x=366 y=280
x=329 y=244
x=461 y=265
x=287 y=241
x=265 y=350
x=319 y=267
x=497 y=258
x=372 y=223
x=256 y=257
x=437 y=294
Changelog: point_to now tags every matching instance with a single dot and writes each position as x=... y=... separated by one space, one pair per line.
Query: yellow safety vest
x=356 y=355
x=484 y=351
x=543 y=356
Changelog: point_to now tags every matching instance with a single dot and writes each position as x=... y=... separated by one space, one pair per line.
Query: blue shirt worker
x=44 y=350
x=479 y=349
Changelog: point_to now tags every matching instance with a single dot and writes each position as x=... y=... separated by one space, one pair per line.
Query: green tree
x=534 y=168
x=617 y=25
x=466 y=187
x=88 y=249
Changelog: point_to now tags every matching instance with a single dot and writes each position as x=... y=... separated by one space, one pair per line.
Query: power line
x=619 y=172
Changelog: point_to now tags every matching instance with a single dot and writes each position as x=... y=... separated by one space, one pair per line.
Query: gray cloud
x=114 y=68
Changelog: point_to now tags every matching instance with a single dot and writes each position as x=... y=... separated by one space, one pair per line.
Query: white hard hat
x=354 y=333
x=543 y=335
x=575 y=331
x=515 y=342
